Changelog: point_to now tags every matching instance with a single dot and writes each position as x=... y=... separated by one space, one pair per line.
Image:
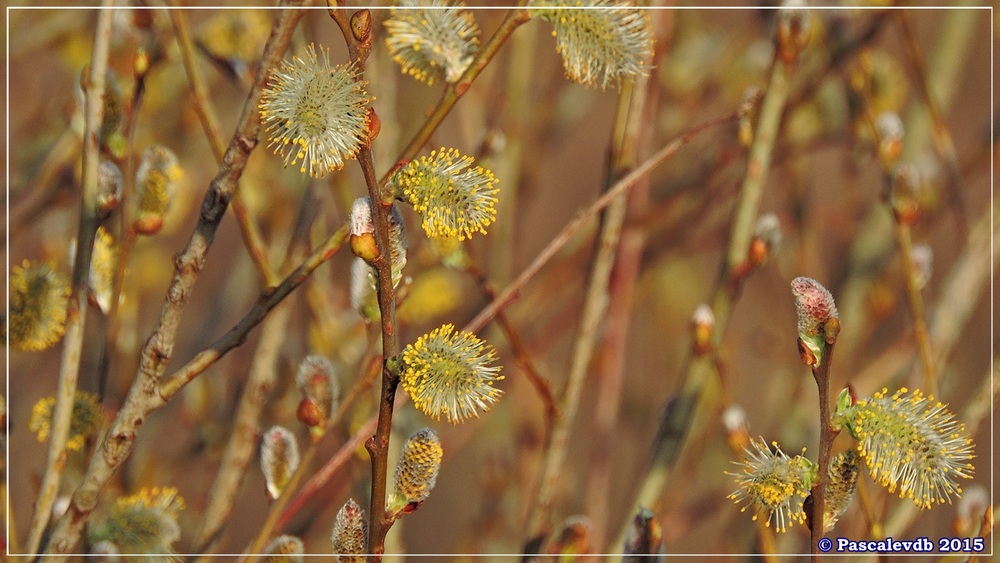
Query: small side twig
x=76 y=313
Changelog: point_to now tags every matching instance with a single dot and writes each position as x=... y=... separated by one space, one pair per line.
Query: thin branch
x=904 y=239
x=566 y=234
x=252 y=238
x=145 y=395
x=237 y=335
x=614 y=341
x=76 y=312
x=520 y=351
x=246 y=428
x=455 y=91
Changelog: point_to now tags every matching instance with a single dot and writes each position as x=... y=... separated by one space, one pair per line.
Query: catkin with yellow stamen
x=912 y=442
x=453 y=198
x=432 y=39
x=449 y=374
x=38 y=299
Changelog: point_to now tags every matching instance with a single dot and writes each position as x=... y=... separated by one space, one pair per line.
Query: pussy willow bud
x=109 y=188
x=793 y=30
x=103 y=264
x=773 y=484
x=432 y=39
x=644 y=536
x=140 y=62
x=373 y=124
x=453 y=197
x=84 y=420
x=361 y=26
x=314 y=113
x=349 y=537
x=279 y=457
x=734 y=420
x=156 y=185
x=903 y=195
x=818 y=321
x=970 y=512
x=362 y=290
x=748 y=114
x=702 y=327
x=285 y=549
x=450 y=373
x=143 y=523
x=889 y=128
x=317 y=381
x=416 y=472
x=766 y=239
x=841 y=485
x=363 y=230
x=914 y=443
x=598 y=46
x=575 y=537
x=36 y=318
x=923 y=263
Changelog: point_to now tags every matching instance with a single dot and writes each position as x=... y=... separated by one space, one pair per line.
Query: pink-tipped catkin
x=813 y=304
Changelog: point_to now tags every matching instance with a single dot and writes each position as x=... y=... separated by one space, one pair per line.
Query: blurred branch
x=246 y=428
x=594 y=308
x=252 y=238
x=943 y=143
x=521 y=354
x=147 y=393
x=676 y=419
x=511 y=291
x=76 y=311
x=634 y=138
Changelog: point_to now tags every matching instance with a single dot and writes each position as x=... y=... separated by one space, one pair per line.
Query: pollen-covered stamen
x=914 y=443
x=430 y=39
x=603 y=44
x=773 y=484
x=143 y=523
x=314 y=113
x=450 y=373
x=38 y=298
x=417 y=470
x=454 y=198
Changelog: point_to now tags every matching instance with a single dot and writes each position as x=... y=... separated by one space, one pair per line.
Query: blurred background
x=547 y=140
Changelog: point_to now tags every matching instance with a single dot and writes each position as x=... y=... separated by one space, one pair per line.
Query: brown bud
x=310 y=413
x=148 y=224
x=758 y=251
x=831 y=329
x=361 y=25
x=374 y=124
